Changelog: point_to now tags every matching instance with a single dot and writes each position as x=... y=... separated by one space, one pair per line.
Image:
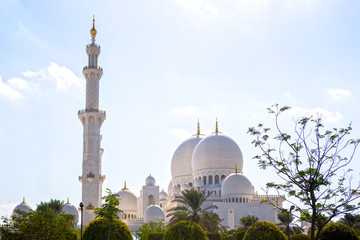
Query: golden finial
x=23 y=200
x=154 y=202
x=216 y=127
x=93 y=30
x=236 y=170
x=68 y=202
x=198 y=128
x=125 y=188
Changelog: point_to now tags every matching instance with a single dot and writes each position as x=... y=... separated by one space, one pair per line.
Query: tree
x=286 y=219
x=191 y=209
x=146 y=229
x=338 y=231
x=264 y=231
x=352 y=220
x=248 y=220
x=185 y=230
x=309 y=163
x=105 y=228
x=110 y=208
x=47 y=222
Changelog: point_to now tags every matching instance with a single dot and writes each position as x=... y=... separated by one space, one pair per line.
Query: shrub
x=300 y=236
x=213 y=236
x=156 y=236
x=337 y=231
x=264 y=231
x=185 y=230
x=240 y=234
x=100 y=228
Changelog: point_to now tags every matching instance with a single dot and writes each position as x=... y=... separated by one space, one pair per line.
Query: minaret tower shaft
x=92 y=118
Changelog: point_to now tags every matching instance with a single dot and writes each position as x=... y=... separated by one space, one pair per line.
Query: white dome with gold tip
x=150 y=181
x=127 y=199
x=153 y=213
x=72 y=210
x=216 y=152
x=237 y=185
x=22 y=207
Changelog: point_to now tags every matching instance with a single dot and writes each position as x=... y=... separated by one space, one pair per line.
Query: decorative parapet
x=91 y=110
x=102 y=177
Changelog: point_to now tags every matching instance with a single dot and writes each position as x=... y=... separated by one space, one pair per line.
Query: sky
x=167 y=63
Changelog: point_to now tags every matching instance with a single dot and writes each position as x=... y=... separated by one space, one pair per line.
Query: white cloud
x=337 y=93
x=64 y=77
x=326 y=115
x=8 y=92
x=180 y=133
x=6 y=209
x=21 y=84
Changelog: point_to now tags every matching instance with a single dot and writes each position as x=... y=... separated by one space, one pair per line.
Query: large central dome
x=216 y=152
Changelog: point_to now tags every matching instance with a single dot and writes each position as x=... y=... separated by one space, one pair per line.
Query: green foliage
x=248 y=221
x=337 y=231
x=309 y=162
x=213 y=236
x=156 y=236
x=300 y=236
x=147 y=229
x=185 y=230
x=110 y=208
x=191 y=209
x=234 y=234
x=351 y=220
x=104 y=228
x=48 y=222
x=264 y=231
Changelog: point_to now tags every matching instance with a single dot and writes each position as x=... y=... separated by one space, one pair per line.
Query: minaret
x=92 y=118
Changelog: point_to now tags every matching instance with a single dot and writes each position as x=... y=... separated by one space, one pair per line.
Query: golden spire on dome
x=216 y=127
x=68 y=202
x=236 y=170
x=23 y=200
x=198 y=127
x=125 y=188
x=154 y=202
x=93 y=30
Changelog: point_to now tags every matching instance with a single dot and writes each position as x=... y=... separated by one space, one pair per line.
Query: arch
x=190 y=184
x=222 y=177
x=161 y=205
x=210 y=179
x=151 y=200
x=204 y=179
x=216 y=179
x=220 y=193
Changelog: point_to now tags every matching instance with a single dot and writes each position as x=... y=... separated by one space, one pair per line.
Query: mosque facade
x=213 y=163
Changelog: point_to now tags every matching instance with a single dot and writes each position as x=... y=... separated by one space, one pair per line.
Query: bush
x=156 y=236
x=300 y=237
x=264 y=231
x=337 y=231
x=185 y=230
x=100 y=228
x=240 y=233
x=213 y=236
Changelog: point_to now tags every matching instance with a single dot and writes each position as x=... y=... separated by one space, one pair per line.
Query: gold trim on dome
x=125 y=188
x=216 y=126
x=198 y=128
x=236 y=169
x=23 y=200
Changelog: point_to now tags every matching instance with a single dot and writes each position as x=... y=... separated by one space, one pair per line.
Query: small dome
x=237 y=185
x=181 y=160
x=217 y=151
x=153 y=213
x=163 y=195
x=23 y=207
x=170 y=188
x=72 y=210
x=150 y=181
x=127 y=200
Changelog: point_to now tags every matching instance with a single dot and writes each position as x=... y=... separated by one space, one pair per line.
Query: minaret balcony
x=102 y=178
x=90 y=177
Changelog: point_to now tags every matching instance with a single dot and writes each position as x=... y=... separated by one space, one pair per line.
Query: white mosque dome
x=237 y=185
x=163 y=195
x=182 y=157
x=23 y=207
x=72 y=210
x=153 y=213
x=218 y=152
x=150 y=181
x=127 y=200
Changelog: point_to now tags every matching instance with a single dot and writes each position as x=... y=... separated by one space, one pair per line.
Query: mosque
x=210 y=162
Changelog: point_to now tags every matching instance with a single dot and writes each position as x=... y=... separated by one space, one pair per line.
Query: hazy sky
x=166 y=63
